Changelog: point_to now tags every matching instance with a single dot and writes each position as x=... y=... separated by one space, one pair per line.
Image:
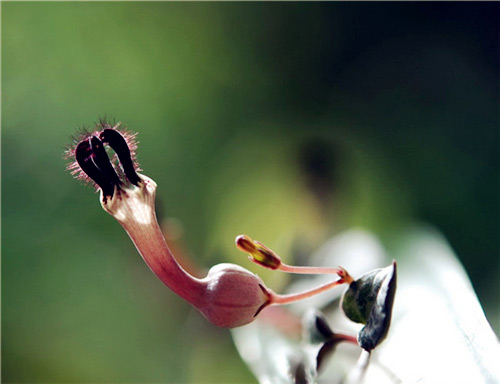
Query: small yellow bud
x=258 y=252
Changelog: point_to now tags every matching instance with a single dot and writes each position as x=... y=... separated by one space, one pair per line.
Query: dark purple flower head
x=90 y=160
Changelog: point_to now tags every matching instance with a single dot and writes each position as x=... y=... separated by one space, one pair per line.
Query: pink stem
x=149 y=241
x=293 y=297
x=309 y=270
x=346 y=338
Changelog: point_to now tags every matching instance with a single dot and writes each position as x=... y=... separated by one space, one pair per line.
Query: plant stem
x=293 y=297
x=135 y=212
x=358 y=373
x=309 y=270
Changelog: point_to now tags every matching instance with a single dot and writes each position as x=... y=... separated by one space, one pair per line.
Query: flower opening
x=90 y=162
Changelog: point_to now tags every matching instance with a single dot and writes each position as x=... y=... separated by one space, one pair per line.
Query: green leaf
x=369 y=300
x=317 y=332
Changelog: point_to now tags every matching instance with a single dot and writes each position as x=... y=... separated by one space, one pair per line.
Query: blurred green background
x=285 y=121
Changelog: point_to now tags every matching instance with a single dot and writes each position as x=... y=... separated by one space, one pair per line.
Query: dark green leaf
x=316 y=327
x=318 y=334
x=369 y=300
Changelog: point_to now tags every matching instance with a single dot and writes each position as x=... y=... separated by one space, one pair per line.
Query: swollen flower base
x=229 y=296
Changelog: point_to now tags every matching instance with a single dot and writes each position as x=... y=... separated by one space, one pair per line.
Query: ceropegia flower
x=229 y=296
